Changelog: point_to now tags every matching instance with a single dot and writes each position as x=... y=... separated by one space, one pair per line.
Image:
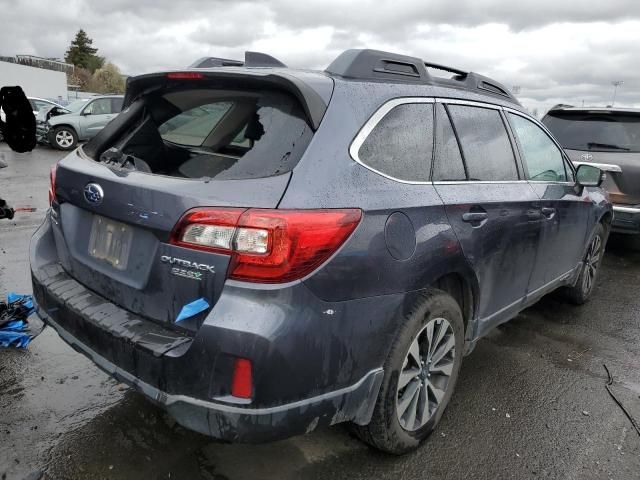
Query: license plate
x=110 y=241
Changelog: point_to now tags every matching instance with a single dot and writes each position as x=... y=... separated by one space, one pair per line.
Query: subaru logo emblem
x=93 y=193
x=586 y=157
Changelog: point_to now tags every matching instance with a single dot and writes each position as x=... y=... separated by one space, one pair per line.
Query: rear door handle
x=548 y=212
x=476 y=219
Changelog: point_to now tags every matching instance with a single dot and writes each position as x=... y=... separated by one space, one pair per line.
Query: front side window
x=542 y=157
x=485 y=143
x=102 y=106
x=401 y=144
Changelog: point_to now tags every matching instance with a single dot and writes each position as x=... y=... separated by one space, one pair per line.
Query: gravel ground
x=531 y=400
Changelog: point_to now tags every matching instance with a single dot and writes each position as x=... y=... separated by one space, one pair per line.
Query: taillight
x=52 y=183
x=267 y=246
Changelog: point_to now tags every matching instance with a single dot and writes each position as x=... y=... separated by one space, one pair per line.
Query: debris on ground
x=633 y=421
x=14 y=326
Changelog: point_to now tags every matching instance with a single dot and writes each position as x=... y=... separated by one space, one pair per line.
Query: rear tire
x=403 y=417
x=64 y=138
x=583 y=288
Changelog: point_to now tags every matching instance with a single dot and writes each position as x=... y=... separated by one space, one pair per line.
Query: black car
x=264 y=250
x=608 y=138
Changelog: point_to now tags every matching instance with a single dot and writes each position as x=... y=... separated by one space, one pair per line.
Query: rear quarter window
x=401 y=143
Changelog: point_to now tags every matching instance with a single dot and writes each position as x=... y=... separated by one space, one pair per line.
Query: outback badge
x=186 y=268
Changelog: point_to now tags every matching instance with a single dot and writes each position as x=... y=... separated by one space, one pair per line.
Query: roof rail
x=251 y=59
x=375 y=65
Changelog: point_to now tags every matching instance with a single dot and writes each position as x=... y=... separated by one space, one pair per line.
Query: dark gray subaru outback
x=263 y=250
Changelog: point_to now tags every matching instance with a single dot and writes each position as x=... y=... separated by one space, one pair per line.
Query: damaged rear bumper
x=251 y=425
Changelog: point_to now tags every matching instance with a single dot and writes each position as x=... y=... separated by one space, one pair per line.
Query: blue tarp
x=14 y=328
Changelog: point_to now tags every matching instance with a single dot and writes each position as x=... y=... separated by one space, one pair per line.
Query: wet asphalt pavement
x=530 y=402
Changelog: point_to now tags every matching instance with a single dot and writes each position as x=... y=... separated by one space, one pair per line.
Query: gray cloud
x=555 y=50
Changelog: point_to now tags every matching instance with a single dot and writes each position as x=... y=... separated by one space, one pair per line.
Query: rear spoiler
x=313 y=104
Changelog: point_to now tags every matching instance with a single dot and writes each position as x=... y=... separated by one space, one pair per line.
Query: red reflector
x=52 y=183
x=242 y=383
x=185 y=75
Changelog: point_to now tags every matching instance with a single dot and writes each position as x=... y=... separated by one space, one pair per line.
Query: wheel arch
x=69 y=126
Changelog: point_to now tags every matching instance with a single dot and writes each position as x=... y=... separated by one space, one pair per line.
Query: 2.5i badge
x=186 y=268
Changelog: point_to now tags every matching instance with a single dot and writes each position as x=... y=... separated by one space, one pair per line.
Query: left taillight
x=52 y=183
x=267 y=245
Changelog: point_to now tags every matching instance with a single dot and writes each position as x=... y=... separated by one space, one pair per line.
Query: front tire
x=64 y=138
x=583 y=288
x=420 y=375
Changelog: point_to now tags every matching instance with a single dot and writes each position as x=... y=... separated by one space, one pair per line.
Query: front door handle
x=548 y=212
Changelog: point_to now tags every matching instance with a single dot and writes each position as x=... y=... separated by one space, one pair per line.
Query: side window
x=485 y=143
x=116 y=105
x=101 y=106
x=544 y=160
x=39 y=105
x=193 y=126
x=401 y=144
x=447 y=160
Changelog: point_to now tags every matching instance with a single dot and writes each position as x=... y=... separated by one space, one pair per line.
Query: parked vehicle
x=608 y=138
x=263 y=251
x=85 y=118
x=39 y=103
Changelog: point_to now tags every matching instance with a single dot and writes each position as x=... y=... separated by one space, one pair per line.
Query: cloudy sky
x=565 y=51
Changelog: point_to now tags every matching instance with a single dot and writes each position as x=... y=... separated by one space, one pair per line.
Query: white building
x=36 y=82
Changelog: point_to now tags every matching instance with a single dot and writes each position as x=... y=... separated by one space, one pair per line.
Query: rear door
x=563 y=210
x=488 y=203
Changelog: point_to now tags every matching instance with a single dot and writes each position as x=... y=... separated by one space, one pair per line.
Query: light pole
x=616 y=84
x=515 y=89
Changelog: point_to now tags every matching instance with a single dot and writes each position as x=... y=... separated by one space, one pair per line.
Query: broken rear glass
x=217 y=134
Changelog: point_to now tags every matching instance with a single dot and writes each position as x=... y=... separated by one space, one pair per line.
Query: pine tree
x=82 y=54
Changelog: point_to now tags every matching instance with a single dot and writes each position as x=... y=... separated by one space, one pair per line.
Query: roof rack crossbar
x=445 y=68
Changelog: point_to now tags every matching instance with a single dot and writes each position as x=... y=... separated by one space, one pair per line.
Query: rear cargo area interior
x=212 y=133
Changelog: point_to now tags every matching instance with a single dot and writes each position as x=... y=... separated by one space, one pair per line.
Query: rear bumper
x=311 y=368
x=252 y=425
x=626 y=219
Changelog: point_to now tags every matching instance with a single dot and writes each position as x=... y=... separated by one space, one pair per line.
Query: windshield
x=596 y=131
x=76 y=105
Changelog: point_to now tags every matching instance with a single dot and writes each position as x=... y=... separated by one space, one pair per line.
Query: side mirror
x=86 y=112
x=589 y=176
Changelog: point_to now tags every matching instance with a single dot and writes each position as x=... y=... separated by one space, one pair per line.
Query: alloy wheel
x=64 y=138
x=591 y=263
x=425 y=374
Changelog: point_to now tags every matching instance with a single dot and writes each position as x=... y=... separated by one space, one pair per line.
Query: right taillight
x=52 y=183
x=267 y=245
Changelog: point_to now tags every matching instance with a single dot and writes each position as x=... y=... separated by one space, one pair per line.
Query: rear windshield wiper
x=115 y=156
x=605 y=145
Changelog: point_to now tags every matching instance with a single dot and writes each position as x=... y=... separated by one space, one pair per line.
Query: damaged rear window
x=218 y=134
